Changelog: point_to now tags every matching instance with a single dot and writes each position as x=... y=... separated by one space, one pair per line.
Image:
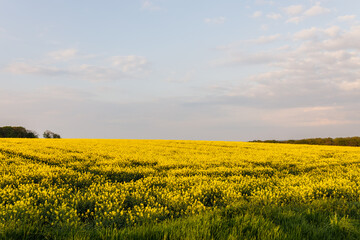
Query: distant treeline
x=347 y=141
x=21 y=132
x=17 y=132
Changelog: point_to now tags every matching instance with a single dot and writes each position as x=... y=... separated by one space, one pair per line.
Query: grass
x=241 y=221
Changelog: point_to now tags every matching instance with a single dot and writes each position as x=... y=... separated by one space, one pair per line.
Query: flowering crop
x=117 y=184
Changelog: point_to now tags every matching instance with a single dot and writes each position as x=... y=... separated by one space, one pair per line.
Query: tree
x=17 y=132
x=50 y=134
x=347 y=141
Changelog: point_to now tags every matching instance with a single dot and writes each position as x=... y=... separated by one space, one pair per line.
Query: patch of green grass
x=238 y=221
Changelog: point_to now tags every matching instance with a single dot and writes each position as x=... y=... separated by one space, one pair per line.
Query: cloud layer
x=235 y=70
x=76 y=66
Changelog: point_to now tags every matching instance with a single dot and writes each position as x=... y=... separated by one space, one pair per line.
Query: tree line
x=21 y=132
x=346 y=141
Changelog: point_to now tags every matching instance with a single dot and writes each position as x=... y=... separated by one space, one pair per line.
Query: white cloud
x=316 y=33
x=130 y=64
x=257 y=14
x=350 y=86
x=83 y=71
x=63 y=55
x=346 y=18
x=295 y=20
x=217 y=20
x=177 y=77
x=293 y=9
x=246 y=59
x=266 y=39
x=27 y=68
x=297 y=14
x=149 y=5
x=274 y=16
x=332 y=31
x=316 y=10
x=122 y=67
x=264 y=2
x=264 y=27
x=347 y=40
x=307 y=116
x=306 y=79
x=233 y=47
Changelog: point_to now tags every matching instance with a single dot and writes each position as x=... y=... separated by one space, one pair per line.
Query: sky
x=176 y=69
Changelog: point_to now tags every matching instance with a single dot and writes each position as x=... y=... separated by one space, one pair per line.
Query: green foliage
x=348 y=141
x=49 y=134
x=16 y=132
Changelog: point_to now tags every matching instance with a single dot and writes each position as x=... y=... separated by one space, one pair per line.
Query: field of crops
x=157 y=189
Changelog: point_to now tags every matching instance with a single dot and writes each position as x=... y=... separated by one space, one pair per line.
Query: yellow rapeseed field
x=118 y=184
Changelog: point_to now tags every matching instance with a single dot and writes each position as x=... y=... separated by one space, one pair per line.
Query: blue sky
x=207 y=70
